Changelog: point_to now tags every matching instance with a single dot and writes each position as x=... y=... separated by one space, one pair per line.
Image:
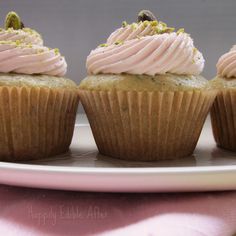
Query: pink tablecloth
x=25 y=211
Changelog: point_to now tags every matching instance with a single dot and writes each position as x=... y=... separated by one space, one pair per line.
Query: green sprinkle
x=119 y=42
x=28 y=30
x=181 y=30
x=195 y=50
x=4 y=42
x=134 y=26
x=56 y=50
x=124 y=24
x=158 y=31
x=103 y=45
x=164 y=25
x=145 y=23
x=169 y=29
x=18 y=42
x=32 y=32
x=39 y=51
x=9 y=30
x=154 y=23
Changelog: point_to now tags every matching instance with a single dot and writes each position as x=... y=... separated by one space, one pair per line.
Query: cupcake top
x=22 y=51
x=147 y=47
x=226 y=66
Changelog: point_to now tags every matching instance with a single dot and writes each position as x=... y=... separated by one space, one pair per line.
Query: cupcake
x=37 y=104
x=143 y=95
x=223 y=112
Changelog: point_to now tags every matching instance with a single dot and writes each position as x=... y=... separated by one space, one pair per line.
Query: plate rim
x=117 y=170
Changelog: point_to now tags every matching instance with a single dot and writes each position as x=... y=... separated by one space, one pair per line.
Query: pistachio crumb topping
x=169 y=29
x=147 y=25
x=124 y=24
x=164 y=25
x=32 y=32
x=17 y=43
x=9 y=30
x=134 y=26
x=154 y=23
x=103 y=45
x=119 y=42
x=194 y=51
x=56 y=50
x=40 y=51
x=181 y=30
x=158 y=27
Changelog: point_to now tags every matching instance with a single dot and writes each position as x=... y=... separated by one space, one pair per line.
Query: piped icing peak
x=226 y=65
x=22 y=51
x=146 y=47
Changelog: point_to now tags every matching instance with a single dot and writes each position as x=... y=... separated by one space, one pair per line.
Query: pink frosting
x=25 y=35
x=21 y=51
x=226 y=66
x=143 y=51
x=131 y=32
x=31 y=60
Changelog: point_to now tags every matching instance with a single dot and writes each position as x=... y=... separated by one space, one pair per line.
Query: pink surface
x=25 y=211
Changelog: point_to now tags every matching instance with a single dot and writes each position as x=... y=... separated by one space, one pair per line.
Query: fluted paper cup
x=146 y=126
x=223 y=119
x=35 y=122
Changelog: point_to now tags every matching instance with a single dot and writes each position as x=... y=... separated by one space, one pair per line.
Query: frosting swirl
x=24 y=53
x=30 y=59
x=226 y=65
x=146 y=48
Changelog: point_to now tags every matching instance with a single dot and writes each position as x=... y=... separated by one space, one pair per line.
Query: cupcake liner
x=223 y=119
x=146 y=126
x=35 y=122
